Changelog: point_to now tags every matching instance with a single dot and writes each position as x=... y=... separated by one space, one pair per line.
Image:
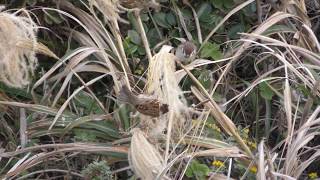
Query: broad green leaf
x=88 y=103
x=205 y=79
x=228 y=4
x=250 y=10
x=197 y=170
x=211 y=50
x=133 y=21
x=141 y=50
x=204 y=11
x=144 y=17
x=217 y=3
x=153 y=37
x=234 y=30
x=129 y=47
x=265 y=91
x=160 y=19
x=134 y=37
x=171 y=19
x=85 y=135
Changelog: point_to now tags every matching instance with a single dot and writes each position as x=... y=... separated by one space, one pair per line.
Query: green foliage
x=197 y=170
x=205 y=79
x=134 y=37
x=222 y=4
x=211 y=50
x=234 y=30
x=162 y=19
x=204 y=11
x=265 y=91
x=98 y=171
x=87 y=103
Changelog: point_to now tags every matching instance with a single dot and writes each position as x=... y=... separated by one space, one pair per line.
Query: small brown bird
x=140 y=4
x=143 y=103
x=186 y=51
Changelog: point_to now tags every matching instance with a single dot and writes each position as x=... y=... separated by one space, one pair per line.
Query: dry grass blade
x=143 y=35
x=215 y=110
x=28 y=162
x=23 y=127
x=110 y=12
x=38 y=47
x=261 y=174
x=288 y=107
x=63 y=107
x=292 y=165
x=219 y=152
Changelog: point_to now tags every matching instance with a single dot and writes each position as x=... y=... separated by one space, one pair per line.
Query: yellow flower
x=246 y=130
x=218 y=163
x=213 y=126
x=313 y=175
x=253 y=145
x=253 y=169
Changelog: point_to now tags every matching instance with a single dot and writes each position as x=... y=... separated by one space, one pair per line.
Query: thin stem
x=143 y=35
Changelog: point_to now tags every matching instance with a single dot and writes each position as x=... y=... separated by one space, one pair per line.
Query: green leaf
x=250 y=10
x=134 y=37
x=217 y=3
x=265 y=91
x=197 y=170
x=211 y=50
x=88 y=103
x=204 y=11
x=160 y=19
x=234 y=30
x=144 y=17
x=277 y=28
x=153 y=37
x=171 y=19
x=141 y=51
x=133 y=21
x=205 y=79
x=228 y=4
x=129 y=47
x=84 y=135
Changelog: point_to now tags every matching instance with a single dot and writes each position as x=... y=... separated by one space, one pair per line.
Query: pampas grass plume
x=17 y=62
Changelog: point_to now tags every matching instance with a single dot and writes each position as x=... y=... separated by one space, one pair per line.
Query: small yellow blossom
x=246 y=130
x=213 y=126
x=253 y=169
x=218 y=163
x=253 y=145
x=313 y=175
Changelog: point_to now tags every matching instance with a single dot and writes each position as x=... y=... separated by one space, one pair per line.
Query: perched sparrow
x=186 y=51
x=143 y=103
x=140 y=4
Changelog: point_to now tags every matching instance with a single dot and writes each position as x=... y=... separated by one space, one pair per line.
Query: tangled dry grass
x=267 y=127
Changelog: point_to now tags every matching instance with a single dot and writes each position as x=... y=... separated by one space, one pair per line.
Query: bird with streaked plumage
x=186 y=51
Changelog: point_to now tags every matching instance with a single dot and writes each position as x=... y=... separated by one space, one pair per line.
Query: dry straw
x=17 y=61
x=144 y=158
x=163 y=84
x=107 y=7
